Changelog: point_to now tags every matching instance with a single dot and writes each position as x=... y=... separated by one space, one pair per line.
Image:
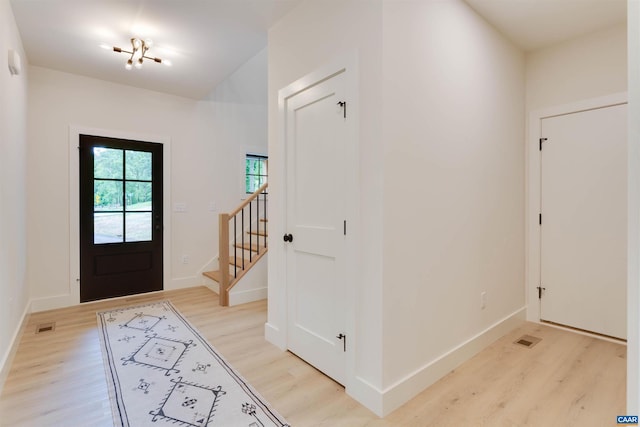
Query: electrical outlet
x=483 y=300
x=185 y=259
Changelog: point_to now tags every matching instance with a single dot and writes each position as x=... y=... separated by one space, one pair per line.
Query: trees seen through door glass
x=122 y=196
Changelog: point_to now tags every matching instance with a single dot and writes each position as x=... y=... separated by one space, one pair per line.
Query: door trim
x=276 y=326
x=532 y=183
x=73 y=296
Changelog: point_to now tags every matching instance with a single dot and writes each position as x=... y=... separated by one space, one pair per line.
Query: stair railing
x=233 y=224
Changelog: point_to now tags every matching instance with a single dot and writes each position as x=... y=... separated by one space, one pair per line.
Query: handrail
x=226 y=281
x=250 y=199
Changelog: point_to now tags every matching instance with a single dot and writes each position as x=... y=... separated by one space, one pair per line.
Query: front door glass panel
x=122 y=196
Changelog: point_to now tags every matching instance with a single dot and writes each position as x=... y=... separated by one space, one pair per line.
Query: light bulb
x=166 y=62
x=136 y=43
x=139 y=63
x=128 y=65
x=148 y=43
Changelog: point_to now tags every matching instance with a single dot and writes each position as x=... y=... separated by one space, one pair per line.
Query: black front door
x=120 y=217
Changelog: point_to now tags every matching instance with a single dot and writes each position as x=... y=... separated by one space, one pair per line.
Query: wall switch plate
x=185 y=259
x=180 y=207
x=212 y=207
x=483 y=300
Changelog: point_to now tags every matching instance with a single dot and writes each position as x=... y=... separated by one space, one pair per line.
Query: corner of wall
x=14 y=289
x=370 y=396
x=275 y=336
x=405 y=389
x=7 y=361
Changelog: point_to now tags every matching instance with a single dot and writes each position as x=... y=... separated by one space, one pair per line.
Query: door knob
x=288 y=238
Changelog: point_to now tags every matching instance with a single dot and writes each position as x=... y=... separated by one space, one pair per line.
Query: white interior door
x=584 y=220
x=315 y=144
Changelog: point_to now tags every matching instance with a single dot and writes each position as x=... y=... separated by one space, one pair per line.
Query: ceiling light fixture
x=139 y=48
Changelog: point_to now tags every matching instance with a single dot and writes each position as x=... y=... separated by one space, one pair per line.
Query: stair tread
x=250 y=247
x=217 y=275
x=258 y=232
x=238 y=261
x=213 y=275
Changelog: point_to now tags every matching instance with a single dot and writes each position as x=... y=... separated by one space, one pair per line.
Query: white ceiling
x=534 y=24
x=206 y=40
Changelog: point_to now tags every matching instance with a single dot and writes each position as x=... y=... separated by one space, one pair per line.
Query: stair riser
x=231 y=270
x=242 y=253
x=251 y=238
x=261 y=228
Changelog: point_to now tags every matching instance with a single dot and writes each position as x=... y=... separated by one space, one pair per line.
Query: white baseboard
x=7 y=360
x=68 y=300
x=211 y=284
x=51 y=303
x=182 y=283
x=275 y=336
x=368 y=395
x=407 y=388
x=251 y=288
x=250 y=295
x=384 y=402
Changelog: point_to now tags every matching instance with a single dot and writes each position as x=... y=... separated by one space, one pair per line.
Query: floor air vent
x=527 y=341
x=45 y=327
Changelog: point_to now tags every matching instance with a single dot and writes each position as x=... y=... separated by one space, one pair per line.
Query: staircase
x=242 y=242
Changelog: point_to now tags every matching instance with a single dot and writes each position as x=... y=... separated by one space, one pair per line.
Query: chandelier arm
x=120 y=50
x=153 y=59
x=138 y=45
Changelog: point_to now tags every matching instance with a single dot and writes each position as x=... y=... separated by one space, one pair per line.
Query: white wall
x=585 y=67
x=240 y=113
x=569 y=73
x=205 y=166
x=561 y=78
x=240 y=105
x=633 y=293
x=453 y=131
x=310 y=37
x=208 y=140
x=13 y=204
x=441 y=110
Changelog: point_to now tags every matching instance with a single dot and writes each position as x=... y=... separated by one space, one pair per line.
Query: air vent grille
x=527 y=341
x=45 y=327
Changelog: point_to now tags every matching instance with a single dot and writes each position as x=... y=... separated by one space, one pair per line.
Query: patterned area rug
x=162 y=372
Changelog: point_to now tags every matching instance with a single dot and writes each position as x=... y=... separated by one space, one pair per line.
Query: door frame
x=276 y=327
x=533 y=182
x=73 y=296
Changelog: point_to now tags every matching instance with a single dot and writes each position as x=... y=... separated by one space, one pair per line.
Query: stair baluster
x=240 y=267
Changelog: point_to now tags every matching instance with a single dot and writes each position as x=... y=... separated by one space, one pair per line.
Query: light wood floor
x=57 y=378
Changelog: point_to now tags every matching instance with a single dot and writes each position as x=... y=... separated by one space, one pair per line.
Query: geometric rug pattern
x=161 y=371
